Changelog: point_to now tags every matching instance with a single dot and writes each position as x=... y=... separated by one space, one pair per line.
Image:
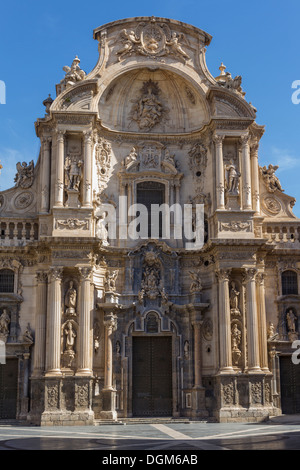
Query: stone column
x=110 y=323
x=84 y=350
x=45 y=178
x=255 y=176
x=224 y=322
x=252 y=321
x=246 y=173
x=108 y=391
x=197 y=355
x=218 y=140
x=60 y=163
x=53 y=342
x=87 y=176
x=40 y=326
x=262 y=322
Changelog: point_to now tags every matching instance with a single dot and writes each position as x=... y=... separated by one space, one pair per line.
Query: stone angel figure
x=129 y=40
x=24 y=176
x=110 y=282
x=175 y=46
x=196 y=285
x=270 y=178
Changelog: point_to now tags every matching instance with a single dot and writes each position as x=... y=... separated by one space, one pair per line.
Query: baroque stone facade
x=105 y=326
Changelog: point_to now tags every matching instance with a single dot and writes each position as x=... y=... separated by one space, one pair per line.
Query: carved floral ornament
x=152 y=40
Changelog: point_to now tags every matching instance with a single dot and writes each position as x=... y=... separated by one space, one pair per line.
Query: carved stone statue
x=101 y=231
x=232 y=178
x=132 y=157
x=291 y=321
x=235 y=342
x=110 y=281
x=70 y=336
x=148 y=111
x=271 y=332
x=269 y=177
x=71 y=299
x=24 y=176
x=73 y=173
x=196 y=285
x=28 y=334
x=234 y=299
x=4 y=323
x=175 y=46
x=73 y=74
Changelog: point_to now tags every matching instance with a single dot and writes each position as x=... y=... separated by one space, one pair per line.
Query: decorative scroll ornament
x=103 y=155
x=25 y=175
x=72 y=224
x=152 y=40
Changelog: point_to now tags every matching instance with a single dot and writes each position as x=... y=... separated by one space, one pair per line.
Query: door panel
x=152 y=376
x=290 y=386
x=8 y=389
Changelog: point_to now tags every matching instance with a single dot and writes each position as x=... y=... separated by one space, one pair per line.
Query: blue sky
x=258 y=40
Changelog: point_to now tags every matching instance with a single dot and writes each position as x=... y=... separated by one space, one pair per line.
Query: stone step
x=152 y=420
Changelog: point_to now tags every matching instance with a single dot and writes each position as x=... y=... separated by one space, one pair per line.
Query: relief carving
x=148 y=110
x=271 y=180
x=25 y=175
x=152 y=40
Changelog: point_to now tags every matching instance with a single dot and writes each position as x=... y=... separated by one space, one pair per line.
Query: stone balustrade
x=14 y=232
x=283 y=232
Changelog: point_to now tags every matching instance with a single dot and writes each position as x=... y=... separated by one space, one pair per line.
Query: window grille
x=7 y=280
x=289 y=283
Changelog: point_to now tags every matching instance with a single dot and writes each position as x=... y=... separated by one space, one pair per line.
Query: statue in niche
x=73 y=173
x=235 y=342
x=70 y=337
x=291 y=321
x=148 y=111
x=71 y=299
x=28 y=334
x=4 y=323
x=186 y=349
x=234 y=299
x=101 y=230
x=232 y=178
x=110 y=281
x=196 y=285
x=270 y=178
x=24 y=176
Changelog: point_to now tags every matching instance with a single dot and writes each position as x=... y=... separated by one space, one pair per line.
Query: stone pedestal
x=73 y=199
x=108 y=405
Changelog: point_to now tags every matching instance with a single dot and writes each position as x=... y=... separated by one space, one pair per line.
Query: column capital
x=223 y=274
x=110 y=321
x=260 y=278
x=245 y=139
x=254 y=146
x=46 y=141
x=85 y=273
x=88 y=136
x=60 y=135
x=42 y=277
x=218 y=139
x=55 y=274
x=249 y=274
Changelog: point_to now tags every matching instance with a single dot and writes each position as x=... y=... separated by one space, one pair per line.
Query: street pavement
x=179 y=439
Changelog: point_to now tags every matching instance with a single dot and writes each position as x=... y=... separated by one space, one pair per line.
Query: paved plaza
x=280 y=433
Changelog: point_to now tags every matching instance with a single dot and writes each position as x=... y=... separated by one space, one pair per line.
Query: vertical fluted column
x=255 y=177
x=110 y=323
x=246 y=173
x=54 y=323
x=87 y=177
x=45 y=183
x=84 y=353
x=59 y=184
x=252 y=320
x=197 y=355
x=218 y=140
x=224 y=321
x=40 y=325
x=260 y=278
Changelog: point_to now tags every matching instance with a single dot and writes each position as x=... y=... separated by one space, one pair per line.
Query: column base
x=53 y=373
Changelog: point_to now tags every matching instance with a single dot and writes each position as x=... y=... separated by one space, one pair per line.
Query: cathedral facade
x=110 y=311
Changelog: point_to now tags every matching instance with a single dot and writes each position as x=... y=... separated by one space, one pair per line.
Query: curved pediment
x=152 y=101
